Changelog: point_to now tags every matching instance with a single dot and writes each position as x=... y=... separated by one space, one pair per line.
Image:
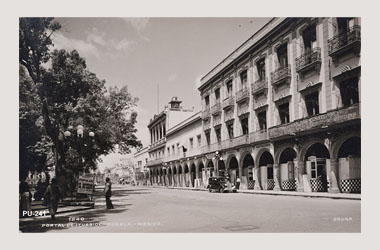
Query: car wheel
x=221 y=190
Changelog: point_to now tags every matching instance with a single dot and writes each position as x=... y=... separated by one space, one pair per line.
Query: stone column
x=257 y=178
x=299 y=170
x=334 y=176
x=276 y=177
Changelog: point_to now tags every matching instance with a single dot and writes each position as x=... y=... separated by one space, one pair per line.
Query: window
x=168 y=149
x=345 y=24
x=262 y=117
x=349 y=90
x=230 y=129
x=217 y=95
x=284 y=113
x=309 y=36
x=207 y=101
x=199 y=139
x=191 y=142
x=261 y=69
x=282 y=55
x=218 y=134
x=173 y=150
x=229 y=88
x=244 y=125
x=243 y=79
x=312 y=103
x=178 y=149
x=207 y=134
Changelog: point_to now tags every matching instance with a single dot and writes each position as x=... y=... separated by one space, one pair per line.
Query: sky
x=157 y=58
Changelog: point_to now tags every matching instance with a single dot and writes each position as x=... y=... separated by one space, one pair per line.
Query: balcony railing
x=280 y=75
x=242 y=95
x=308 y=60
x=206 y=113
x=228 y=102
x=315 y=122
x=344 y=40
x=154 y=162
x=216 y=108
x=259 y=86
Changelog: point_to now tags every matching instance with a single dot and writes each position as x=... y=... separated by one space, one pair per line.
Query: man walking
x=107 y=192
x=238 y=183
x=52 y=196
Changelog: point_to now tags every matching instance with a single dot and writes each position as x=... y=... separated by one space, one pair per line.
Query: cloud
x=197 y=82
x=138 y=23
x=95 y=44
x=172 y=78
x=85 y=48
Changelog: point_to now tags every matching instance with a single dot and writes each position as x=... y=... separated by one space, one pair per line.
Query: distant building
x=140 y=160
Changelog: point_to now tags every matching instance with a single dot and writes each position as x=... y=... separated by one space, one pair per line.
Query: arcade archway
x=286 y=165
x=266 y=169
x=317 y=161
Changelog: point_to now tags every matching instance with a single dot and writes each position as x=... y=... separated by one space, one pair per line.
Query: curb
x=306 y=195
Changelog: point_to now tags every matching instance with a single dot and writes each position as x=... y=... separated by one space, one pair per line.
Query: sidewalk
x=286 y=193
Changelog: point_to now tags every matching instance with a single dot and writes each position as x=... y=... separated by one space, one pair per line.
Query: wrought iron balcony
x=216 y=108
x=309 y=60
x=242 y=95
x=154 y=162
x=345 y=41
x=259 y=86
x=206 y=113
x=281 y=75
x=228 y=102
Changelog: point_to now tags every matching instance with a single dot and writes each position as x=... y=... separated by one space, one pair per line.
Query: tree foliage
x=66 y=95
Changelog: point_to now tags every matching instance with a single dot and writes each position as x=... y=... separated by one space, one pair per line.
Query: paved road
x=141 y=209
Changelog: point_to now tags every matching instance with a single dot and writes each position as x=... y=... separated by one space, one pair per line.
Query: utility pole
x=158 y=98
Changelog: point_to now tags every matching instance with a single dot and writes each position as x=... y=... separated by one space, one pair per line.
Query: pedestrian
x=52 y=196
x=25 y=197
x=108 y=193
x=237 y=183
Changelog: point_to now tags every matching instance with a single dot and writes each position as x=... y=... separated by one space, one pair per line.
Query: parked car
x=220 y=184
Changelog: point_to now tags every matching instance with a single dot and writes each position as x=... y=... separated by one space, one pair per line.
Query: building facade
x=282 y=112
x=141 y=173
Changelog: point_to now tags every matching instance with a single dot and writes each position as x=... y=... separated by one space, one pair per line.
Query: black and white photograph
x=121 y=132
x=190 y=125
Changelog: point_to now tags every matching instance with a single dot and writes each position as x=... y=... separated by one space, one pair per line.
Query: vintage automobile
x=220 y=184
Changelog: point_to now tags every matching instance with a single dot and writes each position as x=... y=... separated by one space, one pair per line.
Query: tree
x=69 y=95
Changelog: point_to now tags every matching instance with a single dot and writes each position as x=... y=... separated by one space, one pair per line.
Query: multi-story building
x=158 y=126
x=140 y=169
x=282 y=111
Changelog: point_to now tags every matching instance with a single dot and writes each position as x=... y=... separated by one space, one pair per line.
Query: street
x=147 y=209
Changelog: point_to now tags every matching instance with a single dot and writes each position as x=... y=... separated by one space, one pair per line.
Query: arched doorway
x=170 y=176
x=180 y=176
x=247 y=180
x=221 y=168
x=349 y=157
x=192 y=175
x=286 y=165
x=175 y=176
x=317 y=160
x=160 y=179
x=201 y=174
x=266 y=170
x=186 y=176
x=233 y=170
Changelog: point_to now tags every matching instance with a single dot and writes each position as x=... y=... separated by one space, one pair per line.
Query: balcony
x=310 y=60
x=154 y=162
x=258 y=136
x=344 y=42
x=228 y=102
x=216 y=109
x=281 y=75
x=316 y=122
x=206 y=113
x=242 y=95
x=259 y=86
x=157 y=144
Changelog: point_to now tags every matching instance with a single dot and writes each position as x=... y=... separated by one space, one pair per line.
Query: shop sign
x=326 y=119
x=85 y=185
